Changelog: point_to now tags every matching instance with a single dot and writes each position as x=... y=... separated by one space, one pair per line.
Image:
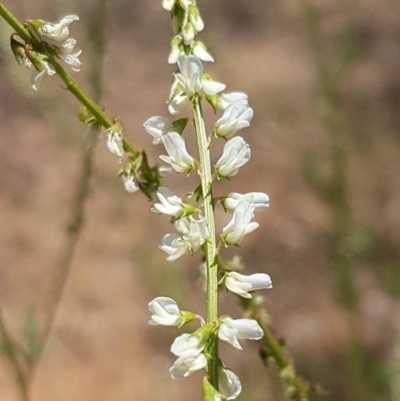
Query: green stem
x=71 y=84
x=210 y=246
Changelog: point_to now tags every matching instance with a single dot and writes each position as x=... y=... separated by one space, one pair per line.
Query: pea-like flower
x=178 y=157
x=184 y=367
x=187 y=345
x=171 y=204
x=57 y=32
x=175 y=246
x=229 y=384
x=41 y=68
x=165 y=312
x=226 y=99
x=67 y=55
x=158 y=126
x=235 y=117
x=236 y=153
x=115 y=142
x=195 y=233
x=211 y=87
x=190 y=73
x=240 y=224
x=232 y=331
x=259 y=199
x=200 y=51
x=130 y=182
x=195 y=18
x=241 y=284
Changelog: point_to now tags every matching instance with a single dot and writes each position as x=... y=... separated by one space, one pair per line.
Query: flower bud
x=200 y=51
x=195 y=19
x=229 y=384
x=115 y=141
x=188 y=33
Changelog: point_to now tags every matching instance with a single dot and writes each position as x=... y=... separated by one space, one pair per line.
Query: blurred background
x=323 y=79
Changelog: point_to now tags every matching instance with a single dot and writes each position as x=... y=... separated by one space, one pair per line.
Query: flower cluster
x=55 y=42
x=190 y=217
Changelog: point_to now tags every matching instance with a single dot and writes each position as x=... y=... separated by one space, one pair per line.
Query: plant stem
x=210 y=246
x=71 y=84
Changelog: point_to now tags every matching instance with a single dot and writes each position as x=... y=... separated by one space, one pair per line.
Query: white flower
x=259 y=199
x=68 y=56
x=176 y=50
x=184 y=367
x=241 y=284
x=187 y=345
x=235 y=117
x=190 y=73
x=170 y=204
x=165 y=312
x=57 y=32
x=178 y=101
x=130 y=182
x=39 y=71
x=188 y=33
x=236 y=153
x=178 y=157
x=175 y=246
x=189 y=350
x=158 y=126
x=240 y=225
x=200 y=51
x=227 y=99
x=197 y=233
x=115 y=143
x=211 y=87
x=239 y=329
x=195 y=19
x=229 y=384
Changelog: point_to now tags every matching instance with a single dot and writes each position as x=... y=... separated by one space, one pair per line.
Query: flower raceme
x=241 y=284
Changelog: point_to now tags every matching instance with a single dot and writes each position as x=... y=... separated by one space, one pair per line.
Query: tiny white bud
x=200 y=51
x=115 y=142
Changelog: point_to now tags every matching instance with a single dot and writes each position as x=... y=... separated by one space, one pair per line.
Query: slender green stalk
x=210 y=246
x=297 y=387
x=70 y=83
x=10 y=350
